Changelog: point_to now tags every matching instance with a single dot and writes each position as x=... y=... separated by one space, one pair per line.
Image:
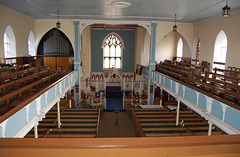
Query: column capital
x=154 y=25
x=76 y=23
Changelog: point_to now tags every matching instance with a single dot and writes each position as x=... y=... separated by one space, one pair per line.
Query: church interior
x=119 y=78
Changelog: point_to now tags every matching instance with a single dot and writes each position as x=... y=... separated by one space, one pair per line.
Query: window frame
x=115 y=57
x=179 y=56
x=31 y=45
x=218 y=50
x=11 y=48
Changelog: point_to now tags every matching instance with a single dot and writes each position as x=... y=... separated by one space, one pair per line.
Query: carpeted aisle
x=123 y=129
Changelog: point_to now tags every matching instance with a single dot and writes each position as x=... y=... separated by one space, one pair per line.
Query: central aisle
x=123 y=129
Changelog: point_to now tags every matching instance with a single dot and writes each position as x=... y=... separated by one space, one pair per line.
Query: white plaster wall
x=22 y=25
x=207 y=32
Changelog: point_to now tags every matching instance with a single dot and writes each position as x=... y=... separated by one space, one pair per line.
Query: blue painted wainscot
x=217 y=113
x=19 y=124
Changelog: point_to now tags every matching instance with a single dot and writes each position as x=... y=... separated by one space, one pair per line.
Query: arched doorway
x=56 y=50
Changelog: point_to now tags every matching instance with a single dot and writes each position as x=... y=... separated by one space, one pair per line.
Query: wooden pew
x=14 y=68
x=155 y=124
x=19 y=92
x=83 y=123
x=22 y=82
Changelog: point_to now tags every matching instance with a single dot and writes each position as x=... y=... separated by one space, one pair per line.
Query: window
x=9 y=43
x=220 y=51
x=6 y=46
x=31 y=44
x=198 y=52
x=179 y=49
x=112 y=52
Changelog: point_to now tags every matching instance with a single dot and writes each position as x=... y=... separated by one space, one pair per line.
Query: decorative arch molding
x=85 y=23
x=182 y=35
x=40 y=36
x=55 y=43
x=117 y=35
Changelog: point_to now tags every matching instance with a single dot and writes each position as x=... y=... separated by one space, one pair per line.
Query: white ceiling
x=155 y=10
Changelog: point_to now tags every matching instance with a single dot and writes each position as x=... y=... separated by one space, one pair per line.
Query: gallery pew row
x=16 y=75
x=224 y=86
x=28 y=112
x=16 y=67
x=74 y=123
x=6 y=88
x=161 y=122
x=23 y=92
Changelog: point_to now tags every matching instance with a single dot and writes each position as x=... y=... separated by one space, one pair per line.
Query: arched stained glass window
x=112 y=52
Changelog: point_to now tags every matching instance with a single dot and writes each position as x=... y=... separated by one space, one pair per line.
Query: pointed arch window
x=112 y=52
x=31 y=44
x=9 y=43
x=6 y=45
x=180 y=49
x=220 y=51
x=198 y=52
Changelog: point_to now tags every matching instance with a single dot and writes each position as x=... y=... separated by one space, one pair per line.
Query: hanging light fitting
x=226 y=10
x=58 y=24
x=175 y=26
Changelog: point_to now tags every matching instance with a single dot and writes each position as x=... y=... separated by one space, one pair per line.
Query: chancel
x=119 y=78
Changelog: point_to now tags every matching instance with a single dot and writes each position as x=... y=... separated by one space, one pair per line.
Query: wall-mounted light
x=226 y=10
x=175 y=26
x=58 y=24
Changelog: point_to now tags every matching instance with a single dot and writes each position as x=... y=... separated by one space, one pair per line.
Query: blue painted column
x=77 y=60
x=152 y=63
